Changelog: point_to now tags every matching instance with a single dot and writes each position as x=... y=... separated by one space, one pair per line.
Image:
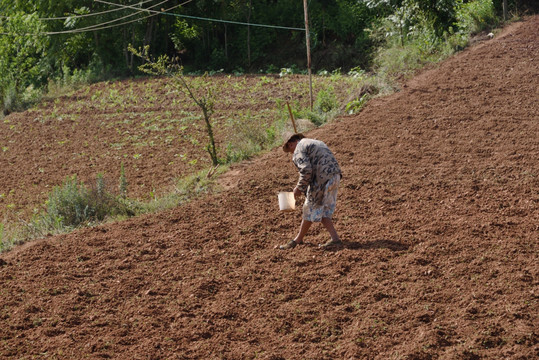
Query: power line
x=99 y=26
x=124 y=23
x=163 y=12
x=87 y=15
x=207 y=19
x=237 y=22
x=81 y=15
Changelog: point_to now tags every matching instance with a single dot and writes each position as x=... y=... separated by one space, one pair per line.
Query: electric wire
x=100 y=25
x=91 y=14
x=210 y=19
x=82 y=30
x=163 y=12
x=81 y=15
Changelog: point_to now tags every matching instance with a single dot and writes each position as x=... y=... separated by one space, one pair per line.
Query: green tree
x=200 y=91
x=22 y=47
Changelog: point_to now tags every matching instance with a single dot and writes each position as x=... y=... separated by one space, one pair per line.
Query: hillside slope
x=439 y=210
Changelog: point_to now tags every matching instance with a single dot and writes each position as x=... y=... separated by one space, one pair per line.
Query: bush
x=70 y=80
x=69 y=204
x=21 y=54
x=325 y=107
x=476 y=16
x=407 y=48
x=326 y=100
x=356 y=105
x=72 y=204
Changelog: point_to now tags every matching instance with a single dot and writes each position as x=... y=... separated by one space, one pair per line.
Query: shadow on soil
x=375 y=244
x=369 y=245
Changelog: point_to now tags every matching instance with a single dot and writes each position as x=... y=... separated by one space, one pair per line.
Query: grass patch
x=404 y=51
x=185 y=189
x=73 y=205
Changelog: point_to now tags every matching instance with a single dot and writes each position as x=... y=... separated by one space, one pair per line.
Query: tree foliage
x=48 y=38
x=21 y=53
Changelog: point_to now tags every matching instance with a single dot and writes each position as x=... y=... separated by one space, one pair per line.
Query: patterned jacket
x=316 y=165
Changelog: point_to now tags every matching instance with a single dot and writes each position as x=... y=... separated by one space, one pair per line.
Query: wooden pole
x=504 y=3
x=308 y=43
x=292 y=118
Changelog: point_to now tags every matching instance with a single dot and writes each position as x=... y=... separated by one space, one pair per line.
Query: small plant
x=357 y=73
x=285 y=72
x=356 y=105
x=11 y=99
x=69 y=204
x=289 y=71
x=272 y=69
x=326 y=100
x=325 y=108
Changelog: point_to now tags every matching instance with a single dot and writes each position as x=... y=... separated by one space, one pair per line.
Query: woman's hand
x=297 y=192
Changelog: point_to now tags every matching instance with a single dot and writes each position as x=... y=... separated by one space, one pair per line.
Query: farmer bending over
x=319 y=177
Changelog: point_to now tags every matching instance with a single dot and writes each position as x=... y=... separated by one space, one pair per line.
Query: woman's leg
x=328 y=224
x=305 y=225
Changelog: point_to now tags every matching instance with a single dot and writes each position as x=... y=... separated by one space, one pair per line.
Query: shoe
x=330 y=244
x=289 y=245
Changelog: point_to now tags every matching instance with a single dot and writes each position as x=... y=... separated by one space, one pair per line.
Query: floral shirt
x=316 y=165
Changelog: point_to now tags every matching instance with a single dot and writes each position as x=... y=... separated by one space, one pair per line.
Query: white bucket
x=287 y=202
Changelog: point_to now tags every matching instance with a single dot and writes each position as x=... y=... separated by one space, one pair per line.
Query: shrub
x=70 y=80
x=475 y=16
x=356 y=105
x=69 y=204
x=325 y=107
x=407 y=48
x=326 y=100
x=72 y=204
x=272 y=69
x=10 y=98
x=20 y=57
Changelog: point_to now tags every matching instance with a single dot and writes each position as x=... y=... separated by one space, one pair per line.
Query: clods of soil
x=438 y=210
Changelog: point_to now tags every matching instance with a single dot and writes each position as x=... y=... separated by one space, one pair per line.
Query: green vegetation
x=20 y=56
x=198 y=89
x=397 y=36
x=325 y=108
x=74 y=205
x=53 y=46
x=411 y=37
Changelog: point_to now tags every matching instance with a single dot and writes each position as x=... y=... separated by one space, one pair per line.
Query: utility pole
x=308 y=42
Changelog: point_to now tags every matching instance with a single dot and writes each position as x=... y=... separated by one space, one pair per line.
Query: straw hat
x=290 y=137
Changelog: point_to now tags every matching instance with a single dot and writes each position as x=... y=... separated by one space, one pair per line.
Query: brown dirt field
x=145 y=124
x=439 y=210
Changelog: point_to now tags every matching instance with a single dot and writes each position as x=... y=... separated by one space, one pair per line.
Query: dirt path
x=439 y=210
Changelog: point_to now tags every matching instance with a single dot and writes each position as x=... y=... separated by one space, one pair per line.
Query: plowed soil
x=438 y=210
